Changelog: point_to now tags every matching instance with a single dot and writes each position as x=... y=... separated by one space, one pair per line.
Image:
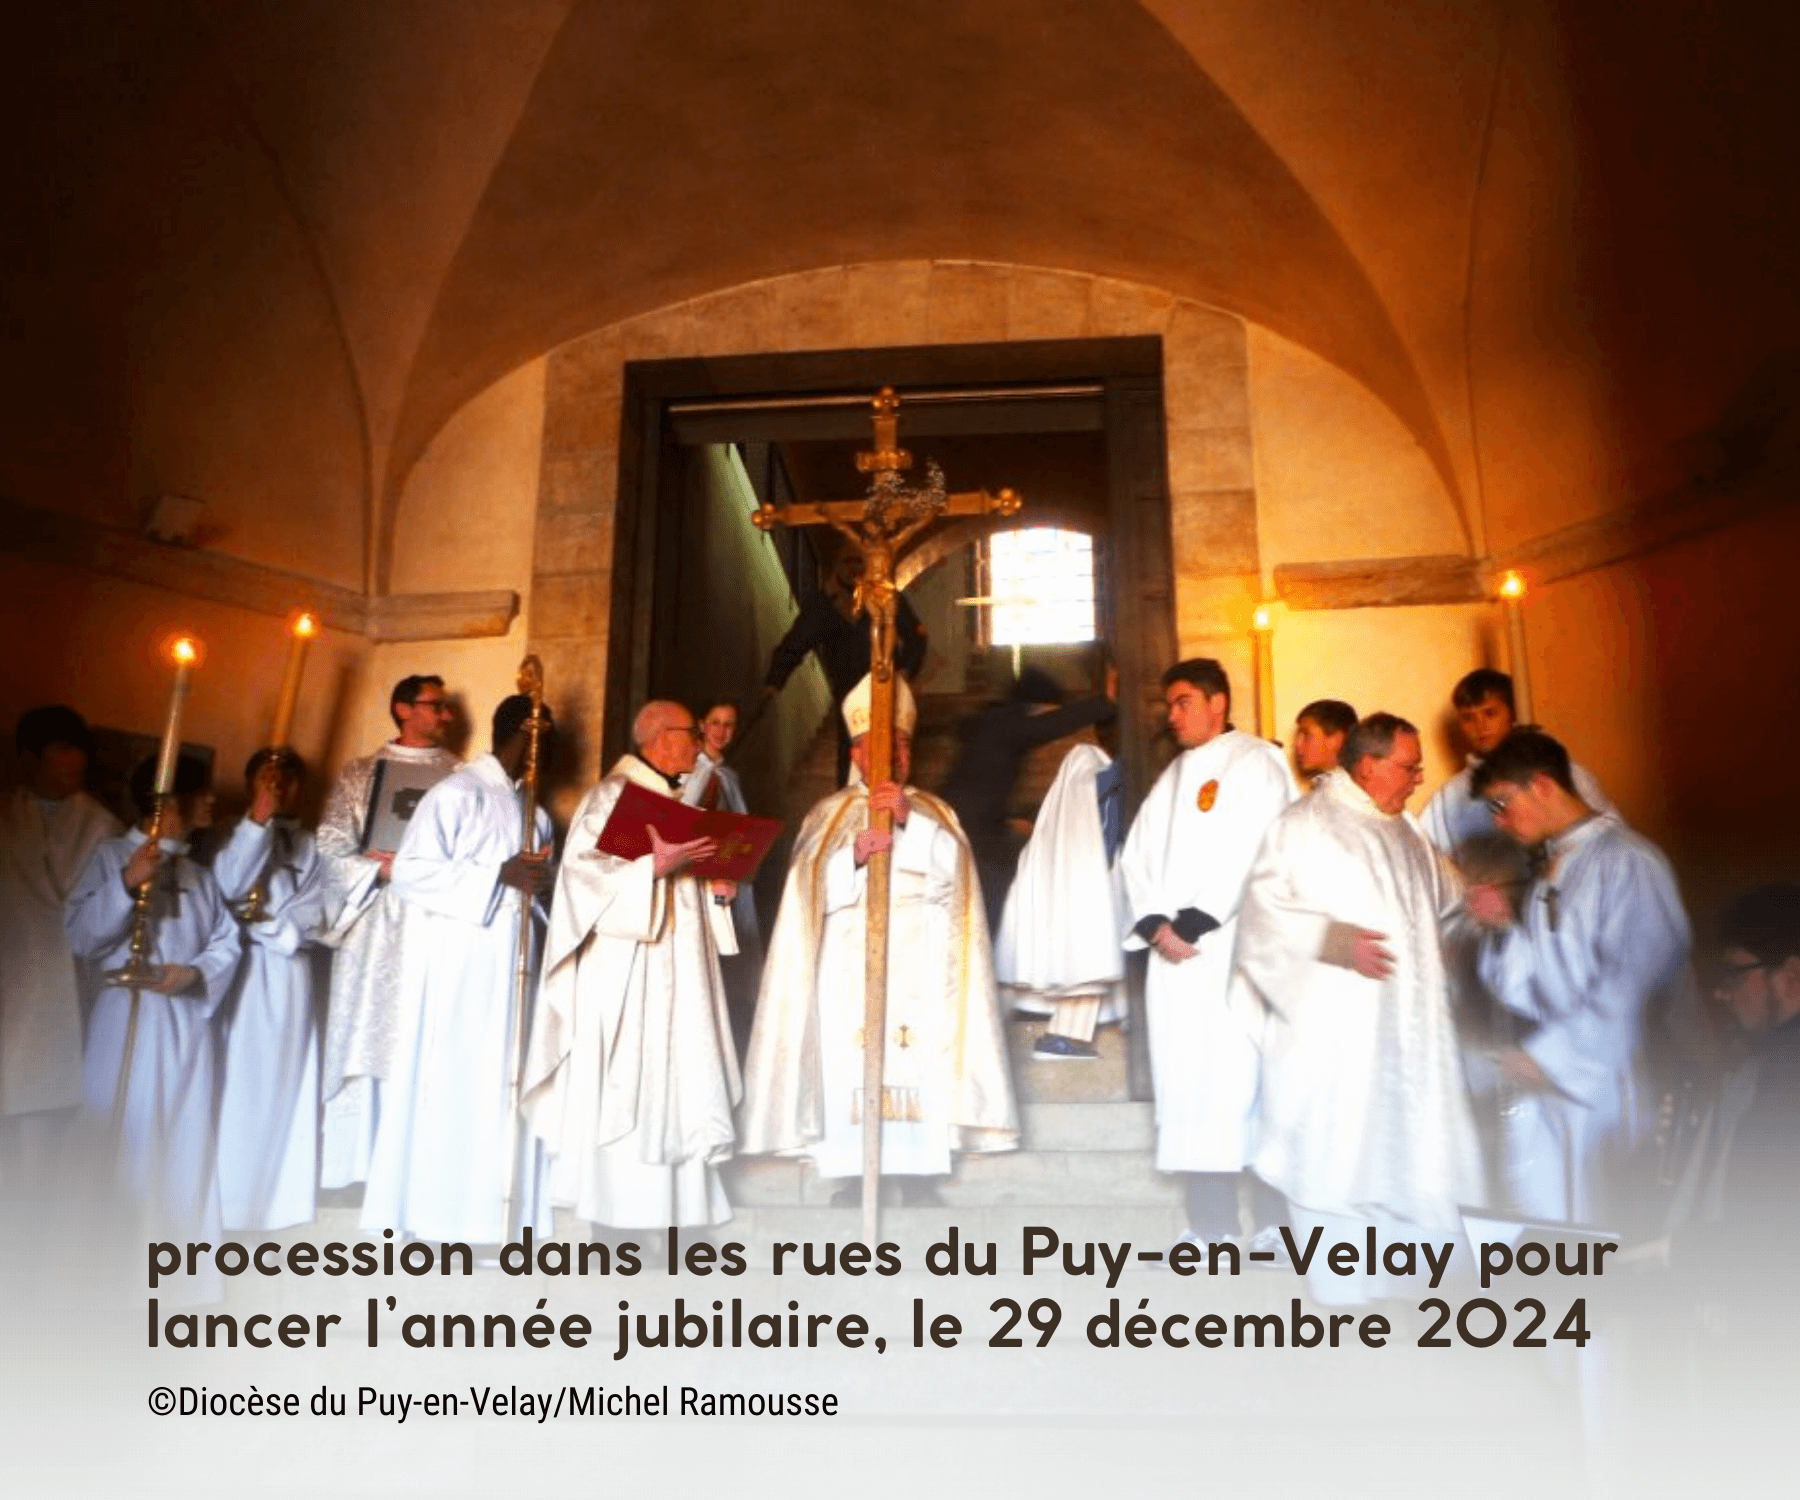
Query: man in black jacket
x=995 y=742
x=830 y=624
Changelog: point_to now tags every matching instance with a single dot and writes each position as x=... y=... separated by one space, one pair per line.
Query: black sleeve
x=909 y=639
x=1148 y=927
x=791 y=649
x=1040 y=729
x=1191 y=924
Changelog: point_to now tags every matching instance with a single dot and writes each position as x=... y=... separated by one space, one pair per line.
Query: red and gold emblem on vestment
x=1209 y=794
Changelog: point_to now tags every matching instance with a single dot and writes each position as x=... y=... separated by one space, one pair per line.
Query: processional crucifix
x=877 y=526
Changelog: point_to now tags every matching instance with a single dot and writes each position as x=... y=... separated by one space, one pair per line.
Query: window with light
x=1040 y=587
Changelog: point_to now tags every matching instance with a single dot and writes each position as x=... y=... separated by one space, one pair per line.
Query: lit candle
x=1262 y=631
x=304 y=628
x=1512 y=597
x=185 y=652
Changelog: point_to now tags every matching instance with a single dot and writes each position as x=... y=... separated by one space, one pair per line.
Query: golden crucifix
x=877 y=526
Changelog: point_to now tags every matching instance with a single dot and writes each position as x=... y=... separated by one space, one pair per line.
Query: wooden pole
x=531 y=682
x=880 y=755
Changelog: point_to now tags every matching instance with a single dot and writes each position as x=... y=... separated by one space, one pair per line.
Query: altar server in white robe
x=164 y=1100
x=712 y=783
x=633 y=1076
x=1185 y=862
x=1364 y=1117
x=946 y=1084
x=1485 y=716
x=1602 y=942
x=49 y=828
x=368 y=926
x=1057 y=950
x=449 y=1140
x=269 y=1104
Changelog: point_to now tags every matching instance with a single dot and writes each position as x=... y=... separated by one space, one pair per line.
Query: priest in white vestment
x=633 y=1077
x=1601 y=943
x=163 y=1100
x=368 y=926
x=1184 y=863
x=1057 y=951
x=946 y=1084
x=269 y=1103
x=1340 y=965
x=1485 y=715
x=49 y=828
x=449 y=1143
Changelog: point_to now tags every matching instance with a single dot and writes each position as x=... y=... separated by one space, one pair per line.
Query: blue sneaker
x=1050 y=1048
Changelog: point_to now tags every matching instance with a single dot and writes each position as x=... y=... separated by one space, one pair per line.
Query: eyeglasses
x=1730 y=973
x=688 y=729
x=435 y=705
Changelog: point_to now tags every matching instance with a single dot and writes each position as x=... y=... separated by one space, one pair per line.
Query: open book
x=743 y=840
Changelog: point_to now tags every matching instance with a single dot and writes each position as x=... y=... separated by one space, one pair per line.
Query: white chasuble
x=632 y=1076
x=167 y=1156
x=44 y=847
x=1191 y=846
x=1065 y=910
x=946 y=1082
x=367 y=928
x=448 y=1134
x=1364 y=1110
x=269 y=1105
x=1602 y=940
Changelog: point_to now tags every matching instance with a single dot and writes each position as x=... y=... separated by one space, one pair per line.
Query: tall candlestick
x=1262 y=631
x=1512 y=598
x=304 y=628
x=185 y=652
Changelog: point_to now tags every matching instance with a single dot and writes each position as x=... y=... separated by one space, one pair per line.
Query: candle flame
x=1512 y=586
x=185 y=650
x=306 y=627
x=1262 y=620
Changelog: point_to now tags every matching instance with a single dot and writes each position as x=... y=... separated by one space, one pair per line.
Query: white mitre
x=857 y=705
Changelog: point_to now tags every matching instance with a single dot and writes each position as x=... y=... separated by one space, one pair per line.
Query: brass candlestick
x=137 y=973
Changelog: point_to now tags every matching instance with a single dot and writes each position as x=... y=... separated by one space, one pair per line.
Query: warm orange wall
x=465 y=521
x=1675 y=676
x=1401 y=661
x=90 y=641
x=1338 y=477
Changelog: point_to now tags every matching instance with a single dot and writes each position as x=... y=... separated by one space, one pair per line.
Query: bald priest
x=632 y=1076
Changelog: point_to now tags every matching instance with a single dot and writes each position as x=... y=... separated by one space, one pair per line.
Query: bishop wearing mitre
x=946 y=1084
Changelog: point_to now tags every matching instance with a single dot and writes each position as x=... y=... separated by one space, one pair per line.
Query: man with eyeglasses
x=1750 y=1204
x=631 y=1076
x=1340 y=969
x=366 y=932
x=1600 y=939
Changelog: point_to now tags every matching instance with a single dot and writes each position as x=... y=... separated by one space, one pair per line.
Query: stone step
x=1101 y=1081
x=1082 y=1125
x=1077 y=1178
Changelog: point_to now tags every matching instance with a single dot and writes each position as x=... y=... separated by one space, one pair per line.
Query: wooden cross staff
x=877 y=526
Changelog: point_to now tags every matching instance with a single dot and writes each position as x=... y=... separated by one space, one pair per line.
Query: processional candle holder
x=138 y=973
x=253 y=907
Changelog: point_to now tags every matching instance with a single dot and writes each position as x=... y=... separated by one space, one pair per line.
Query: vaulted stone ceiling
x=260 y=252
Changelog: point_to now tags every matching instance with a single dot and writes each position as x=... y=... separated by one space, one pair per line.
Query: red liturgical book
x=743 y=840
